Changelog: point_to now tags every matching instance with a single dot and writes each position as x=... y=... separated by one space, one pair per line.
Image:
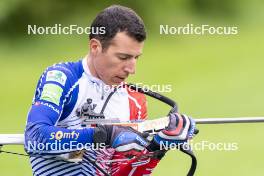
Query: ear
x=95 y=46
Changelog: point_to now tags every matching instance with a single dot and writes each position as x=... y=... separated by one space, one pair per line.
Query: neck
x=90 y=66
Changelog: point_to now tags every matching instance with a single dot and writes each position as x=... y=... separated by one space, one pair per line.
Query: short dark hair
x=116 y=19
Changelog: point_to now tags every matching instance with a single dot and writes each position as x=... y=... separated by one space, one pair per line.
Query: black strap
x=186 y=148
x=107 y=100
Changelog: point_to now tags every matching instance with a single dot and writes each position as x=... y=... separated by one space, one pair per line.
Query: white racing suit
x=63 y=89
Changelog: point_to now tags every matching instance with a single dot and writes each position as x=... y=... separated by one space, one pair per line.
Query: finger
x=145 y=135
x=130 y=147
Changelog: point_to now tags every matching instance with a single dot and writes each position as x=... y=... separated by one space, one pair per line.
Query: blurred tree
x=49 y=12
x=222 y=8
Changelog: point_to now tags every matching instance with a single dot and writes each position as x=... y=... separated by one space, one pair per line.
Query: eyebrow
x=127 y=55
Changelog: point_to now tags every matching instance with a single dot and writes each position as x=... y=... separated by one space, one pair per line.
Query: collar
x=92 y=78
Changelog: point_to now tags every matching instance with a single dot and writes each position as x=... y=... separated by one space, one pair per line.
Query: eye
x=123 y=57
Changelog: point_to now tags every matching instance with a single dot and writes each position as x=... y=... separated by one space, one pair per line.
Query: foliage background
x=211 y=75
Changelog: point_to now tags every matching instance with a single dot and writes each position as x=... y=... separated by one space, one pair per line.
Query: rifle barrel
x=230 y=120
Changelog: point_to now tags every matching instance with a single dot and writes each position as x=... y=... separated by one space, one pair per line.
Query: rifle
x=149 y=126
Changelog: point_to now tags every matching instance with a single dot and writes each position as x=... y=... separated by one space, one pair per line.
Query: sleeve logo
x=56 y=76
x=52 y=93
x=64 y=135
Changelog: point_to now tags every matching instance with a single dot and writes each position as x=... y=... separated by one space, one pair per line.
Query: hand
x=180 y=129
x=123 y=139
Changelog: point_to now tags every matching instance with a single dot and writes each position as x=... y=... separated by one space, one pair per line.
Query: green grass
x=211 y=76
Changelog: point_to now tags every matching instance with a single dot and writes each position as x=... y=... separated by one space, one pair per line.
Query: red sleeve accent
x=135 y=167
x=137 y=105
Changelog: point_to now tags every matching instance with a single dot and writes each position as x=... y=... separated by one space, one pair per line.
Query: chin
x=117 y=83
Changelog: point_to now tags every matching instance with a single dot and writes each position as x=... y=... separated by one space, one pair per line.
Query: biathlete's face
x=114 y=64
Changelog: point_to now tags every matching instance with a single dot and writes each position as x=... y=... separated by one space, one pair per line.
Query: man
x=94 y=88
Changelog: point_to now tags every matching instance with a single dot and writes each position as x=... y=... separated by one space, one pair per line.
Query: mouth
x=120 y=79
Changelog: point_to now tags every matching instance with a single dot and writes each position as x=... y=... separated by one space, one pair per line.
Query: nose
x=130 y=66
